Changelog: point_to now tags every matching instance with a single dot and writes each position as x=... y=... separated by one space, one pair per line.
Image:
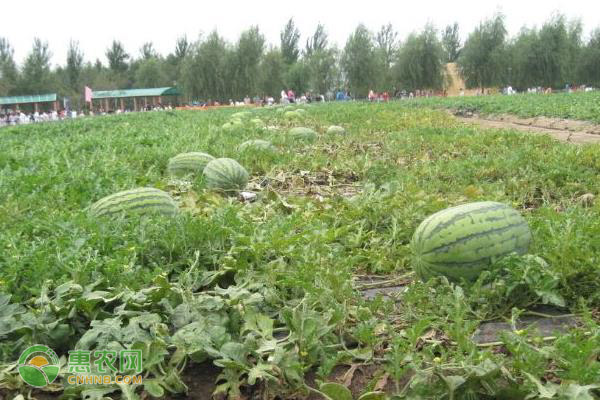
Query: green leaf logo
x=38 y=365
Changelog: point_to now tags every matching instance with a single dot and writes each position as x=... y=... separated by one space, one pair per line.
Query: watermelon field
x=583 y=106
x=287 y=272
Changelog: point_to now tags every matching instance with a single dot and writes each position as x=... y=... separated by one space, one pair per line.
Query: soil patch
x=570 y=131
x=200 y=380
x=544 y=321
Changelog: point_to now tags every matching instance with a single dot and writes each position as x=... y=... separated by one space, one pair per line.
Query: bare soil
x=564 y=130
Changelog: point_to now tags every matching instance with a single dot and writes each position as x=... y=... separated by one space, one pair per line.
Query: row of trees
x=213 y=68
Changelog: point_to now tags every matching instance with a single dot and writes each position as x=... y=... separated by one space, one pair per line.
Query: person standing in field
x=291 y=96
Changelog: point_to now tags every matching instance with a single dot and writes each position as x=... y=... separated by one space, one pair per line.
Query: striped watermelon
x=188 y=163
x=232 y=124
x=257 y=122
x=291 y=114
x=461 y=242
x=241 y=115
x=225 y=174
x=135 y=201
x=302 y=133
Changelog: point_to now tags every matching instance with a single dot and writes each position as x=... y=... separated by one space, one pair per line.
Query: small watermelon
x=241 y=115
x=302 y=133
x=336 y=130
x=257 y=122
x=463 y=241
x=135 y=201
x=291 y=115
x=188 y=163
x=226 y=175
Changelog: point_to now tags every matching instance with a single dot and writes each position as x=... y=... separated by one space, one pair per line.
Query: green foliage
x=386 y=46
x=214 y=69
x=420 y=61
x=117 y=57
x=589 y=59
x=581 y=106
x=482 y=60
x=266 y=291
x=8 y=68
x=547 y=57
x=318 y=41
x=35 y=76
x=205 y=70
x=359 y=63
x=451 y=42
x=290 y=36
x=149 y=74
x=272 y=71
x=322 y=67
x=249 y=51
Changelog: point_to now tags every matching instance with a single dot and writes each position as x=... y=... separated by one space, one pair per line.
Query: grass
x=266 y=290
x=579 y=105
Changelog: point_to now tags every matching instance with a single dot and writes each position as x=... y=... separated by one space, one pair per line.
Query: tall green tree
x=420 y=63
x=74 y=64
x=556 y=52
x=289 y=37
x=547 y=57
x=588 y=70
x=298 y=76
x=205 y=69
x=322 y=68
x=523 y=71
x=359 y=63
x=149 y=74
x=482 y=60
x=147 y=51
x=182 y=46
x=36 y=76
x=318 y=41
x=173 y=65
x=249 y=51
x=117 y=57
x=8 y=69
x=273 y=67
x=451 y=42
x=386 y=47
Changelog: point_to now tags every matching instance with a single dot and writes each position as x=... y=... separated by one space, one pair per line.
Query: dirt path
x=565 y=131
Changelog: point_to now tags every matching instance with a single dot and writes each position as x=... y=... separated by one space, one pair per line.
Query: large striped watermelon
x=225 y=174
x=461 y=242
x=135 y=201
x=188 y=163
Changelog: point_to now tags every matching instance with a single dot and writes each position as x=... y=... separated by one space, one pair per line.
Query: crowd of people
x=17 y=117
x=20 y=117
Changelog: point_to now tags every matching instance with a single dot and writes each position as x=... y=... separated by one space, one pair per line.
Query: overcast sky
x=96 y=24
